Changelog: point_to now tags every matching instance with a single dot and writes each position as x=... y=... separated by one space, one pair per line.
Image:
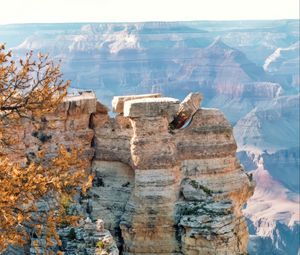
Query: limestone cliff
x=163 y=192
x=68 y=126
x=158 y=190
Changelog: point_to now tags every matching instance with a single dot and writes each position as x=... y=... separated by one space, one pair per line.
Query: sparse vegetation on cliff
x=196 y=185
x=29 y=89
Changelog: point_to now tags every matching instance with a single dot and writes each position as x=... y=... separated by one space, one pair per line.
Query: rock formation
x=163 y=192
x=158 y=191
x=68 y=126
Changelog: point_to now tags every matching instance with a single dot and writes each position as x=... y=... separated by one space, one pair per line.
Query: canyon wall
x=158 y=190
x=162 y=191
x=68 y=126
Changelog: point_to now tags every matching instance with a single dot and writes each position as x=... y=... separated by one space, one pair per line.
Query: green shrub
x=196 y=185
x=100 y=244
x=72 y=234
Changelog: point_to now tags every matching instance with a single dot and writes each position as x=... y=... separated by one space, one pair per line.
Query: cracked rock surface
x=158 y=190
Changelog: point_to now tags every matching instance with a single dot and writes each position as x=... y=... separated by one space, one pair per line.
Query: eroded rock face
x=112 y=187
x=186 y=188
x=119 y=101
x=158 y=191
x=187 y=108
x=68 y=126
x=88 y=238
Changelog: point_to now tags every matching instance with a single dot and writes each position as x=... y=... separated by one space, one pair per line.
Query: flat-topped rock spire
x=187 y=188
x=151 y=107
x=118 y=101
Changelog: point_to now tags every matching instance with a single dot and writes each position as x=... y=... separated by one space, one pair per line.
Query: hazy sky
x=31 y=11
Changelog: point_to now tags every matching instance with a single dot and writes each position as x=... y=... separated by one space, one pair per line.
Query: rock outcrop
x=158 y=189
x=178 y=192
x=68 y=126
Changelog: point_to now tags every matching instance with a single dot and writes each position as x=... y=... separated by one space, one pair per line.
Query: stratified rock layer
x=158 y=189
x=119 y=101
x=182 y=190
x=68 y=126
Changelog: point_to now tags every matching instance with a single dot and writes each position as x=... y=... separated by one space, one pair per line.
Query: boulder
x=118 y=101
x=151 y=107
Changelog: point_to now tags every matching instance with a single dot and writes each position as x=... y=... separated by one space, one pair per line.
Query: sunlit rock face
x=176 y=191
x=68 y=126
x=159 y=189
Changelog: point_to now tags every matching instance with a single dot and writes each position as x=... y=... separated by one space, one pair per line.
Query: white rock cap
x=81 y=102
x=151 y=107
x=118 y=101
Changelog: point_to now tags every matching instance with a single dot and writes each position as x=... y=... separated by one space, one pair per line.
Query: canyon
x=247 y=69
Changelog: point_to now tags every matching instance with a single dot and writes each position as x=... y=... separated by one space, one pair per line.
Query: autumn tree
x=29 y=89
